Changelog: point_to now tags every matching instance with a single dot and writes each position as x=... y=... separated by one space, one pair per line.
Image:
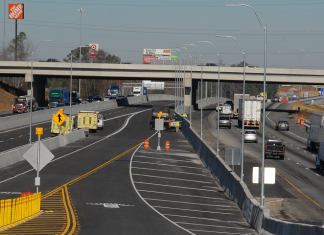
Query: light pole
x=31 y=91
x=81 y=11
x=301 y=57
x=184 y=77
x=217 y=151
x=176 y=81
x=280 y=51
x=243 y=103
x=264 y=27
x=201 y=87
x=179 y=90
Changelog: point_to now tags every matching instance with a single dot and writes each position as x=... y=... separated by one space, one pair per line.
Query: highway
x=108 y=183
x=297 y=194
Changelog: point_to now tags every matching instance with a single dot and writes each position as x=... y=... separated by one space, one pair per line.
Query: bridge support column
x=188 y=94
x=39 y=84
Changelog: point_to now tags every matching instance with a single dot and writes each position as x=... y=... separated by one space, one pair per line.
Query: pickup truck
x=275 y=148
x=49 y=60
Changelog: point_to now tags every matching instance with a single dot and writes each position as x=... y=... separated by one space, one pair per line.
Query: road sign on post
x=59 y=117
x=34 y=159
x=159 y=126
x=233 y=156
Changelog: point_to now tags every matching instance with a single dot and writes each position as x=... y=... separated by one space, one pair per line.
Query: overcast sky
x=126 y=27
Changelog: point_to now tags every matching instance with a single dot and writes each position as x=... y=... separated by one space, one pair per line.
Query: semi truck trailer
x=316 y=133
x=252 y=113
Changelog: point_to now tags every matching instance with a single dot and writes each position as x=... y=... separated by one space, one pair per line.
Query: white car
x=107 y=98
x=101 y=122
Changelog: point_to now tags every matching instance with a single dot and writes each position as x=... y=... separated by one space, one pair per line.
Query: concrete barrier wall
x=16 y=155
x=46 y=115
x=210 y=101
x=256 y=216
x=159 y=97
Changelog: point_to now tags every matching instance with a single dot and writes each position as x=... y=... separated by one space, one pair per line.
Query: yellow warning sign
x=160 y=114
x=59 y=118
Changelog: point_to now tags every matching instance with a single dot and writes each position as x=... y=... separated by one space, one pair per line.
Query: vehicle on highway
x=315 y=133
x=252 y=113
x=319 y=162
x=275 y=148
x=236 y=103
x=23 y=111
x=97 y=98
x=250 y=135
x=219 y=107
x=282 y=126
x=64 y=128
x=226 y=109
x=101 y=123
x=22 y=103
x=137 y=91
x=40 y=109
x=225 y=121
x=50 y=60
x=120 y=97
x=106 y=98
x=276 y=99
x=88 y=119
x=114 y=90
x=251 y=66
x=211 y=64
x=60 y=105
x=58 y=95
x=90 y=98
x=131 y=95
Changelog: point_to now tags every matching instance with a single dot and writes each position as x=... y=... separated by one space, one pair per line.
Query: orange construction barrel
x=294 y=103
x=167 y=145
x=26 y=194
x=302 y=122
x=298 y=120
x=146 y=144
x=301 y=116
x=298 y=101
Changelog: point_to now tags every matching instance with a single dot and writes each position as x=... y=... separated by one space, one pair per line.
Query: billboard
x=322 y=92
x=16 y=11
x=147 y=59
x=94 y=48
x=162 y=52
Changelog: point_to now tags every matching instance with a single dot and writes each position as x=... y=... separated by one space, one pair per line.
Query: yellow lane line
x=209 y=119
x=67 y=214
x=284 y=178
x=72 y=212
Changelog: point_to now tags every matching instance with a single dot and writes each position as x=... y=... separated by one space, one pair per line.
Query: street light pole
x=31 y=91
x=217 y=151
x=264 y=27
x=243 y=103
x=81 y=11
x=201 y=87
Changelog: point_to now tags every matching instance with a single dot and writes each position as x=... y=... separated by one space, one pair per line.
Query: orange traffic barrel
x=294 y=103
x=146 y=144
x=298 y=120
x=302 y=122
x=301 y=116
x=167 y=145
x=26 y=194
x=298 y=101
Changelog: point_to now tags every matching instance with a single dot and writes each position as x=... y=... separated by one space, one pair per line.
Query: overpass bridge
x=44 y=70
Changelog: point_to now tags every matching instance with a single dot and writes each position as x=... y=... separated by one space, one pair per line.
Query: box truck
x=252 y=113
x=22 y=103
x=59 y=95
x=137 y=91
x=237 y=98
x=316 y=132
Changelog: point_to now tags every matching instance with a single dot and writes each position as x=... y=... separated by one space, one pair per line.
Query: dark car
x=97 y=98
x=275 y=148
x=225 y=121
x=90 y=98
x=40 y=109
x=275 y=99
x=211 y=64
x=282 y=125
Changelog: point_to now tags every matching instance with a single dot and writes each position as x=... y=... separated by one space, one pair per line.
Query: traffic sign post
x=37 y=162
x=159 y=124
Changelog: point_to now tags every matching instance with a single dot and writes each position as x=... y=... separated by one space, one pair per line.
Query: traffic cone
x=167 y=145
x=146 y=144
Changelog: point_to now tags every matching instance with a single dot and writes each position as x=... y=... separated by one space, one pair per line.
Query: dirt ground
x=306 y=111
x=5 y=101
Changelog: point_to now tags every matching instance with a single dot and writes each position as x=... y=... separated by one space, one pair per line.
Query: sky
x=295 y=33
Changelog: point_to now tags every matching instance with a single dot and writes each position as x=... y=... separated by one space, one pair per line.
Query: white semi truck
x=252 y=113
x=319 y=163
x=137 y=91
x=237 y=98
x=316 y=133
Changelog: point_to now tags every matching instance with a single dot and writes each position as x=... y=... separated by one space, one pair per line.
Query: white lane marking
x=298 y=163
x=297 y=148
x=172 y=208
x=165 y=159
x=150 y=169
x=20 y=135
x=131 y=178
x=307 y=169
x=193 y=203
x=305 y=152
x=118 y=116
x=10 y=192
x=217 y=226
x=313 y=155
x=106 y=137
x=11 y=138
x=168 y=178
x=291 y=145
x=198 y=230
x=218 y=220
x=160 y=164
x=172 y=186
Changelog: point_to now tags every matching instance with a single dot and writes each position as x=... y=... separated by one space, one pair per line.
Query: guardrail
x=17 y=209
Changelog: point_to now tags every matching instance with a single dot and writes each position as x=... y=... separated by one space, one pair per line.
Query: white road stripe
x=172 y=186
x=160 y=164
x=160 y=177
x=150 y=169
x=182 y=195
x=218 y=220
x=193 y=203
x=172 y=208
x=188 y=161
x=217 y=226
x=217 y=232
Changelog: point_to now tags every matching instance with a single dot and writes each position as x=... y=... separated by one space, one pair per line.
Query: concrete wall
x=210 y=101
x=258 y=217
x=13 y=156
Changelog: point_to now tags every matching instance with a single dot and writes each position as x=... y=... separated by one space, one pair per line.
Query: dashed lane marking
x=173 y=208
x=193 y=203
x=150 y=169
x=168 y=178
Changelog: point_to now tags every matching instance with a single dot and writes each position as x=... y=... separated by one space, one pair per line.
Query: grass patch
x=306 y=110
x=5 y=100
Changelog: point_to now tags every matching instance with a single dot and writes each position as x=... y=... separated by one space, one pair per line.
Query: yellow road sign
x=160 y=114
x=59 y=118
